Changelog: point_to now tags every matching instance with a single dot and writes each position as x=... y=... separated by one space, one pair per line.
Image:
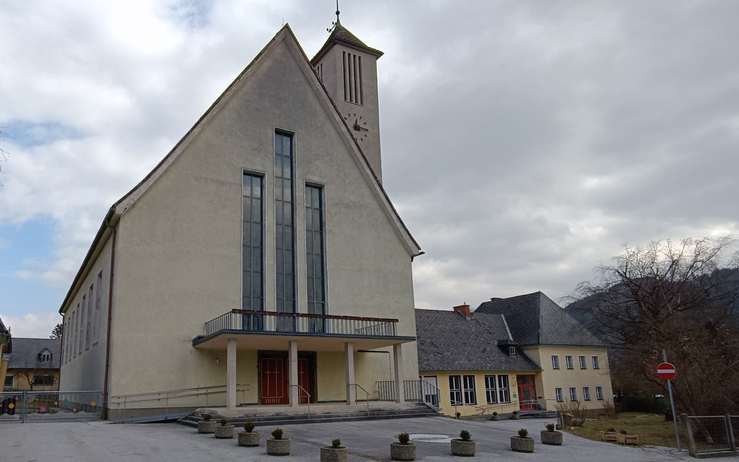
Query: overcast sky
x=523 y=142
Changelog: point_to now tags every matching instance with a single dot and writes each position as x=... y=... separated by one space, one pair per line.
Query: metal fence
x=414 y=390
x=25 y=406
x=713 y=435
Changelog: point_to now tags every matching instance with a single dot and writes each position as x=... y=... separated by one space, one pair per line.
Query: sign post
x=667 y=371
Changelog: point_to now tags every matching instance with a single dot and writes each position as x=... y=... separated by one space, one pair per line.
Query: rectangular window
x=98 y=307
x=555 y=362
x=353 y=88
x=586 y=393
x=596 y=365
x=8 y=381
x=252 y=251
x=559 y=395
x=284 y=231
x=583 y=363
x=83 y=315
x=491 y=394
x=44 y=380
x=573 y=394
x=568 y=362
x=504 y=392
x=470 y=394
x=598 y=392
x=88 y=326
x=455 y=390
x=65 y=339
x=314 y=255
x=75 y=341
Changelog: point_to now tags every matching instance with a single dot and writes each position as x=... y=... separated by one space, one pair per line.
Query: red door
x=526 y=392
x=303 y=380
x=274 y=381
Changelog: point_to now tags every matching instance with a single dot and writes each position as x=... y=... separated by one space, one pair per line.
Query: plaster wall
x=21 y=379
x=85 y=370
x=179 y=245
x=564 y=378
x=468 y=410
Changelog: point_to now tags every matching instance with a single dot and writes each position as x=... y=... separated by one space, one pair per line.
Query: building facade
x=33 y=365
x=262 y=253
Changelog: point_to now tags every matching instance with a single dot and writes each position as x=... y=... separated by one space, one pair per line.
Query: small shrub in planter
x=522 y=442
x=551 y=436
x=464 y=446
x=403 y=449
x=224 y=430
x=206 y=425
x=334 y=453
x=496 y=417
x=249 y=437
x=277 y=445
x=514 y=415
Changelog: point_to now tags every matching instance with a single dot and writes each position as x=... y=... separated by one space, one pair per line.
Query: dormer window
x=44 y=356
x=512 y=351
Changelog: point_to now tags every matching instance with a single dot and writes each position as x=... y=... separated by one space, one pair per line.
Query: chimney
x=492 y=299
x=464 y=310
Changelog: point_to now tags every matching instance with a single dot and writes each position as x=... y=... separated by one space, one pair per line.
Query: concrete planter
x=278 y=447
x=403 y=451
x=332 y=454
x=224 y=431
x=463 y=448
x=515 y=416
x=249 y=438
x=519 y=444
x=554 y=437
x=496 y=418
x=206 y=426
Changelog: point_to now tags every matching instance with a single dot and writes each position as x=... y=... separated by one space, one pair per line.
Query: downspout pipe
x=106 y=400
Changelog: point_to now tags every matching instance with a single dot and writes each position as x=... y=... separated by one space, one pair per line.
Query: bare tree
x=57 y=332
x=678 y=297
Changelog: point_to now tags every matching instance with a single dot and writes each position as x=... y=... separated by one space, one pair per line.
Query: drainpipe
x=106 y=401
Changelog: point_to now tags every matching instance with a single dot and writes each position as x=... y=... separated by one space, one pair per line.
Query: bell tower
x=348 y=69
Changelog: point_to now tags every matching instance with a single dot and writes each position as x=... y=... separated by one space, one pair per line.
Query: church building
x=262 y=253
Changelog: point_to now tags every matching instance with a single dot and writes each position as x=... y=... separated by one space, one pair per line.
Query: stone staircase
x=319 y=414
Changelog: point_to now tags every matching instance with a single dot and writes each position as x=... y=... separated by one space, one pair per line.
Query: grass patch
x=651 y=428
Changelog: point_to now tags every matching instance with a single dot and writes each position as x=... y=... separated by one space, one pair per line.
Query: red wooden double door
x=274 y=378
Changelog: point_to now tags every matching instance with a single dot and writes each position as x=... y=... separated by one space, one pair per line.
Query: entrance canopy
x=269 y=330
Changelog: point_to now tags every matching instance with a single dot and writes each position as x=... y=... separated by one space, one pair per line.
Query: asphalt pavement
x=99 y=441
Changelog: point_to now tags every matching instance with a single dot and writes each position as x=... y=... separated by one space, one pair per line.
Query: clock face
x=356 y=123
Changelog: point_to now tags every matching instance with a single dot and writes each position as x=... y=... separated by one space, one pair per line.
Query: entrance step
x=317 y=415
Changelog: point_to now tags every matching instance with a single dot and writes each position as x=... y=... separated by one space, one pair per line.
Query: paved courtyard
x=104 y=442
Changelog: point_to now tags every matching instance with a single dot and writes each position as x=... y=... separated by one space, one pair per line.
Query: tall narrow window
x=555 y=362
x=83 y=316
x=284 y=231
x=595 y=363
x=65 y=339
x=583 y=363
x=490 y=392
x=314 y=255
x=470 y=394
x=352 y=67
x=504 y=392
x=455 y=390
x=559 y=395
x=252 y=251
x=88 y=326
x=568 y=362
x=76 y=316
x=98 y=301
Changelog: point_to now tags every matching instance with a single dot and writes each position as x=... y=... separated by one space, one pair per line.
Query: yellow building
x=5 y=349
x=573 y=362
x=33 y=365
x=262 y=253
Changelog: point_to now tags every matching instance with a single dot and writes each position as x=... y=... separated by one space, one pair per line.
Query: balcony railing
x=302 y=323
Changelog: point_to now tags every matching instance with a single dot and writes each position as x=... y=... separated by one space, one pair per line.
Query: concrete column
x=351 y=390
x=231 y=374
x=398 y=361
x=294 y=395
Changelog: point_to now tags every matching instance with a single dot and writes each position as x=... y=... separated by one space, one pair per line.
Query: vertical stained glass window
x=252 y=246
x=314 y=255
x=284 y=231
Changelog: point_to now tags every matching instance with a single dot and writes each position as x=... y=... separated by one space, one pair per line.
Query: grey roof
x=534 y=319
x=341 y=34
x=26 y=351
x=447 y=341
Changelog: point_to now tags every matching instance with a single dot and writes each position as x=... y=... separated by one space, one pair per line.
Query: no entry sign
x=666 y=371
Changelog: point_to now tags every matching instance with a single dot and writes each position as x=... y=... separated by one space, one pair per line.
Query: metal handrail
x=366 y=392
x=178 y=393
x=306 y=392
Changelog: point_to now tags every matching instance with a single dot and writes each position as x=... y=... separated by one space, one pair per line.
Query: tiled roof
x=534 y=319
x=447 y=341
x=26 y=351
x=341 y=34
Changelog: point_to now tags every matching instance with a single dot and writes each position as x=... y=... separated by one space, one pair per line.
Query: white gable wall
x=179 y=245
